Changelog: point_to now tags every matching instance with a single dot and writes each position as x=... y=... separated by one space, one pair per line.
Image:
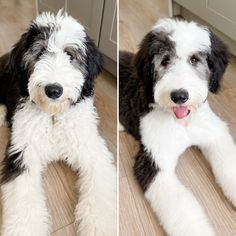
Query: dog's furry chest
x=56 y=138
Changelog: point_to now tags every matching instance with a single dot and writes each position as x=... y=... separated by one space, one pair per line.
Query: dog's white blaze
x=197 y=37
x=68 y=30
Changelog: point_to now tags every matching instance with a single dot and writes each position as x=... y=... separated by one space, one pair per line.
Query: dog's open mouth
x=181 y=111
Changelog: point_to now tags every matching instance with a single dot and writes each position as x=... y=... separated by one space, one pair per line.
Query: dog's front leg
x=163 y=141
x=24 y=207
x=177 y=209
x=96 y=210
x=219 y=149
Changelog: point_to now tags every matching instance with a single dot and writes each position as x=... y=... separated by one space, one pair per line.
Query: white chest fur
x=166 y=138
x=33 y=128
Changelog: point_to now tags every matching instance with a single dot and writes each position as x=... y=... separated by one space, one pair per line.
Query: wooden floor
x=136 y=217
x=59 y=180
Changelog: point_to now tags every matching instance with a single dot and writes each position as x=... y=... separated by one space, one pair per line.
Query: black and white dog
x=163 y=103
x=46 y=91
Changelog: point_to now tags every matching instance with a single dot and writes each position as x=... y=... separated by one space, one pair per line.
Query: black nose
x=53 y=91
x=179 y=96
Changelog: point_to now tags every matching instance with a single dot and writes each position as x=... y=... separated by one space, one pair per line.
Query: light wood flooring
x=59 y=180
x=136 y=217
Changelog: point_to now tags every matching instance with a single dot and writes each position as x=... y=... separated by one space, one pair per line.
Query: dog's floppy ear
x=143 y=62
x=94 y=63
x=154 y=44
x=94 y=59
x=16 y=68
x=217 y=61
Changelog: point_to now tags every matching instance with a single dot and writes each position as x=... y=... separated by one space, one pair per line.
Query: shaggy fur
x=163 y=104
x=46 y=93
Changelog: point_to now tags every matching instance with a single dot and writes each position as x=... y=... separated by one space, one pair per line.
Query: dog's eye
x=39 y=54
x=70 y=55
x=165 y=61
x=194 y=60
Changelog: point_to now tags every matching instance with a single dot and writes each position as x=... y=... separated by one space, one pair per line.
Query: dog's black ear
x=94 y=63
x=16 y=67
x=94 y=59
x=143 y=62
x=154 y=44
x=217 y=61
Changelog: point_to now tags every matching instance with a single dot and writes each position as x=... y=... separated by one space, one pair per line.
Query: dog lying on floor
x=163 y=104
x=46 y=93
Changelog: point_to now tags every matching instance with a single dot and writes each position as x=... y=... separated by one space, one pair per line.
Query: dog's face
x=179 y=62
x=57 y=62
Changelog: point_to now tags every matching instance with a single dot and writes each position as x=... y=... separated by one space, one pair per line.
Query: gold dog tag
x=54 y=119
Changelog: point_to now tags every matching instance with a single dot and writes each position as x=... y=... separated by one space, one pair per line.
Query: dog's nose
x=53 y=91
x=179 y=96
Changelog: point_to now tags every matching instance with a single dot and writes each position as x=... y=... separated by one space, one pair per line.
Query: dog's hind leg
x=97 y=206
x=23 y=200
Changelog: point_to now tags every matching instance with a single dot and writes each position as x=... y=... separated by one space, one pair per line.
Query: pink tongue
x=181 y=112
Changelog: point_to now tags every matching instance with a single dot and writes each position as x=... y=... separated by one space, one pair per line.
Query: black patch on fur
x=12 y=166
x=145 y=169
x=154 y=44
x=15 y=71
x=3 y=78
x=137 y=78
x=217 y=62
x=133 y=102
x=93 y=64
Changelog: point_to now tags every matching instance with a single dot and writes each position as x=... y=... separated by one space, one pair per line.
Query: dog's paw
x=227 y=181
x=92 y=220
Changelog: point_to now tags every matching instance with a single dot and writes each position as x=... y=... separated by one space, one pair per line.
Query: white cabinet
x=218 y=13
x=108 y=39
x=50 y=5
x=89 y=13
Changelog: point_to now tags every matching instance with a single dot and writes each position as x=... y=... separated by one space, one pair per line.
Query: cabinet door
x=50 y=5
x=108 y=38
x=218 y=13
x=89 y=13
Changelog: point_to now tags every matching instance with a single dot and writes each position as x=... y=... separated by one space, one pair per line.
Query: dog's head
x=179 y=62
x=55 y=62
